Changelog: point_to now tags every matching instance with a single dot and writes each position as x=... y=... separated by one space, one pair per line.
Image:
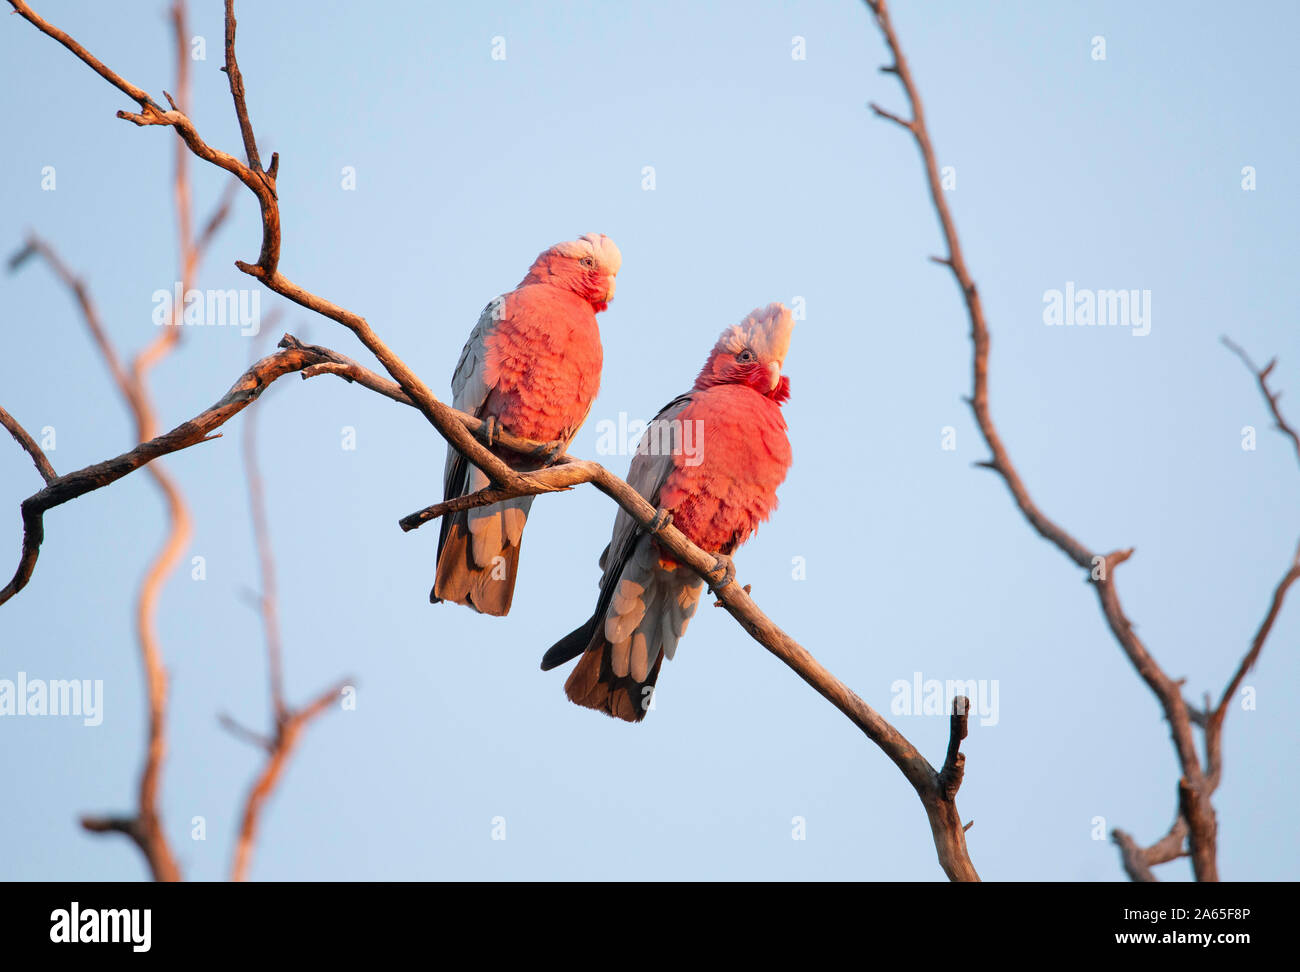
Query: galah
x=710 y=463
x=532 y=367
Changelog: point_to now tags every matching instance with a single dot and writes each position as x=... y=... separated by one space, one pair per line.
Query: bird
x=531 y=367
x=710 y=463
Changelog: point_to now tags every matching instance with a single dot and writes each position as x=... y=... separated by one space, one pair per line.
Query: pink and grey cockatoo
x=532 y=367
x=716 y=491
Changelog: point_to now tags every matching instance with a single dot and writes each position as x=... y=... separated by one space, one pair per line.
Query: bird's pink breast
x=744 y=456
x=544 y=360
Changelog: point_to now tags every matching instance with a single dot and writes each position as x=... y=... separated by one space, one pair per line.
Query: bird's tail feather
x=489 y=587
x=642 y=613
x=593 y=684
x=571 y=645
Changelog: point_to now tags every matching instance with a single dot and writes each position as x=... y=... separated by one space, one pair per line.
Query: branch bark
x=29 y=445
x=288 y=731
x=293 y=357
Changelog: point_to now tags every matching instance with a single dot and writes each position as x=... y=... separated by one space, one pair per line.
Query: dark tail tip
x=570 y=646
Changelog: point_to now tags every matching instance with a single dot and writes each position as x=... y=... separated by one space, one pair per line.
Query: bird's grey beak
x=773 y=375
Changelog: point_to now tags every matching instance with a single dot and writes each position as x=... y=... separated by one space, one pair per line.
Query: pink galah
x=532 y=367
x=716 y=492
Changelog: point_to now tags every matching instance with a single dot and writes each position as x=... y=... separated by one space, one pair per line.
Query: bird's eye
x=587 y=262
x=745 y=356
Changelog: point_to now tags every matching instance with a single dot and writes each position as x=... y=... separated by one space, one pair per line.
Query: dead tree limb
x=294 y=357
x=24 y=439
x=145 y=827
x=1136 y=859
x=288 y=723
x=1167 y=690
x=279 y=748
x=1195 y=822
x=1214 y=719
x=939 y=804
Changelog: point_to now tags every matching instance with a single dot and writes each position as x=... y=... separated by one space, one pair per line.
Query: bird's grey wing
x=469 y=385
x=648 y=472
x=644 y=608
x=469 y=392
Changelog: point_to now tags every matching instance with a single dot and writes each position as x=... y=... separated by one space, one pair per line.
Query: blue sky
x=772 y=181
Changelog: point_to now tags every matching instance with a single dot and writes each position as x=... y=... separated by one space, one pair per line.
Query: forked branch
x=1195 y=821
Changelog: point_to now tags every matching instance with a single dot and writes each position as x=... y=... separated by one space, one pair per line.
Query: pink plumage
x=718 y=492
x=721 y=501
x=543 y=363
x=533 y=364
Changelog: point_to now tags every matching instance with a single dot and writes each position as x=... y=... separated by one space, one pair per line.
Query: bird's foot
x=548 y=452
x=663 y=518
x=722 y=574
x=489 y=430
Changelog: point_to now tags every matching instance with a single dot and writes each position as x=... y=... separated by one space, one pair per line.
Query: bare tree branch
x=1270 y=396
x=954 y=766
x=1214 y=718
x=1133 y=857
x=294 y=357
x=146 y=828
x=1138 y=860
x=29 y=446
x=219 y=215
x=940 y=807
x=288 y=723
x=1167 y=690
x=288 y=732
x=267 y=601
x=937 y=795
x=35 y=246
x=240 y=731
x=1195 y=822
x=237 y=91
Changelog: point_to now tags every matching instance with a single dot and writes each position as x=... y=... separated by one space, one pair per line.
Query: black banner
x=334 y=920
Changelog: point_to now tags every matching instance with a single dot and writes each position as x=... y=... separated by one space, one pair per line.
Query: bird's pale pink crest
x=752 y=353
x=586 y=266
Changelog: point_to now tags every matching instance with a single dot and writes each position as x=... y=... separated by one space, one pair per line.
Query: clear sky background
x=773 y=181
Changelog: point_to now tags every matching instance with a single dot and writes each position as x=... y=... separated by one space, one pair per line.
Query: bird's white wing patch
x=649 y=611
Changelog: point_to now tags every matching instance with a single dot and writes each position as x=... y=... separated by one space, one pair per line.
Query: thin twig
x=202 y=428
x=267 y=600
x=287 y=735
x=1214 y=718
x=29 y=445
x=1270 y=396
x=288 y=723
x=237 y=91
